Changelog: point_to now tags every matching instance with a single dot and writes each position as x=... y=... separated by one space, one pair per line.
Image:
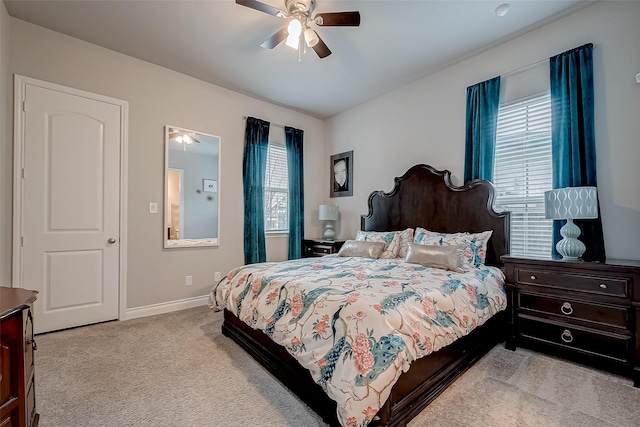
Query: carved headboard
x=424 y=197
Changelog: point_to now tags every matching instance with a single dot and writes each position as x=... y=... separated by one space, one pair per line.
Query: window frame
x=280 y=146
x=531 y=235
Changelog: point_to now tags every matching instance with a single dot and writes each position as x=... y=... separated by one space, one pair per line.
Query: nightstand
x=584 y=311
x=319 y=247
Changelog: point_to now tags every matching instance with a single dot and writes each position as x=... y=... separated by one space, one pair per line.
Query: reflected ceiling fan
x=182 y=137
x=298 y=31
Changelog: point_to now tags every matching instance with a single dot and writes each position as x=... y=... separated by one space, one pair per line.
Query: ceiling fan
x=298 y=31
x=182 y=137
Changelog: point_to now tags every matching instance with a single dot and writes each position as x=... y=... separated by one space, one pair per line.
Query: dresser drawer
x=583 y=340
x=597 y=314
x=610 y=286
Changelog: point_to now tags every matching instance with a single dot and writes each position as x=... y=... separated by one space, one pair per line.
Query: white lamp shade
x=571 y=202
x=328 y=213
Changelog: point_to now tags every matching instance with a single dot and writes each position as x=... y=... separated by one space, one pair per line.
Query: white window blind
x=522 y=172
x=276 y=190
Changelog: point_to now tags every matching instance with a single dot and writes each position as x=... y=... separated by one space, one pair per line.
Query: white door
x=70 y=206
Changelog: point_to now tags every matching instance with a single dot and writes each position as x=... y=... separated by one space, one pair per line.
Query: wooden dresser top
x=12 y=299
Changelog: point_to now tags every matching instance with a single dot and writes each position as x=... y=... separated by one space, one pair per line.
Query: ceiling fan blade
x=321 y=49
x=275 y=39
x=342 y=19
x=262 y=7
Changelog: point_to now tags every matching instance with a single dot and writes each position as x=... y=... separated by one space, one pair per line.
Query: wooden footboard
x=415 y=389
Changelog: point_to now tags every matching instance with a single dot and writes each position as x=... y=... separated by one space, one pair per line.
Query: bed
x=390 y=375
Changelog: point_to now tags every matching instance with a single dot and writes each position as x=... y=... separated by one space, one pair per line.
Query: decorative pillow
x=406 y=237
x=361 y=249
x=475 y=250
x=391 y=240
x=444 y=257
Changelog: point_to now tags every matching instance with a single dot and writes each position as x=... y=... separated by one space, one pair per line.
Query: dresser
x=584 y=311
x=319 y=247
x=17 y=384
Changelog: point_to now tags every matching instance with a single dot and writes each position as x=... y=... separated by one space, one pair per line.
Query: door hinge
x=24 y=106
x=22 y=173
x=22 y=241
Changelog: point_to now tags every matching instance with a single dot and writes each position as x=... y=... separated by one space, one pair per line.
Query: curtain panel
x=573 y=138
x=254 y=165
x=293 y=142
x=483 y=100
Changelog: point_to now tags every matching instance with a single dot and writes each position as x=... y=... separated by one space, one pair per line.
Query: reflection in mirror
x=191 y=206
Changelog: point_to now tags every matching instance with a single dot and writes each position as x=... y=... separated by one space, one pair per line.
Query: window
x=276 y=187
x=522 y=172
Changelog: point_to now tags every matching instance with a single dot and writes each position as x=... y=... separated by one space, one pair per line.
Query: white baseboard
x=165 y=307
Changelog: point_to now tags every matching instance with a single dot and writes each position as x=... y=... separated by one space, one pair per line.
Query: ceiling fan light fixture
x=294 y=29
x=503 y=9
x=311 y=37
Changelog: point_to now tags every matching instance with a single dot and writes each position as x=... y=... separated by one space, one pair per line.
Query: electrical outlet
x=188 y=280
x=216 y=275
x=153 y=208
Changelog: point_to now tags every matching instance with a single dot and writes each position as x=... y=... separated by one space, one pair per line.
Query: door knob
x=111 y=240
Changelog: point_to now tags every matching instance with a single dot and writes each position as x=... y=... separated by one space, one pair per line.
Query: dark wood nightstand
x=319 y=247
x=585 y=311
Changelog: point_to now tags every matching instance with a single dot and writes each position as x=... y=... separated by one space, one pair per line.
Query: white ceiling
x=219 y=42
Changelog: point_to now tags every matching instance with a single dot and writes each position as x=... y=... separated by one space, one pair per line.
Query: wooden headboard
x=424 y=197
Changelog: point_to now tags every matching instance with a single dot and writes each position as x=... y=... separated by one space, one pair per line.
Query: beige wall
x=424 y=122
x=6 y=150
x=158 y=96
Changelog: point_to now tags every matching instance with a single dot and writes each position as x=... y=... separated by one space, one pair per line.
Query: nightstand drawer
x=610 y=286
x=317 y=248
x=583 y=340
x=597 y=314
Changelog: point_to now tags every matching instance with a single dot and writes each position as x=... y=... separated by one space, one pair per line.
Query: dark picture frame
x=341 y=174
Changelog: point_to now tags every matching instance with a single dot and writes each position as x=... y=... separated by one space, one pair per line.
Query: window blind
x=522 y=172
x=276 y=189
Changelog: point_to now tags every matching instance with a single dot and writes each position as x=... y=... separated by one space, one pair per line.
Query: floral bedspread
x=356 y=324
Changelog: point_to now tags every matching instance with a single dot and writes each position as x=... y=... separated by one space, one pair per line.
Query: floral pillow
x=391 y=241
x=475 y=251
x=406 y=237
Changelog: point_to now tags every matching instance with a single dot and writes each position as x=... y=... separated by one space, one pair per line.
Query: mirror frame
x=186 y=243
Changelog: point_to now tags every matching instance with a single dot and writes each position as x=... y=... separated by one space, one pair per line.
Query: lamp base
x=329 y=234
x=570 y=247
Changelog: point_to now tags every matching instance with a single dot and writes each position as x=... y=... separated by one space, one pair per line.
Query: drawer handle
x=566 y=336
x=533 y=277
x=566 y=308
x=603 y=286
x=33 y=344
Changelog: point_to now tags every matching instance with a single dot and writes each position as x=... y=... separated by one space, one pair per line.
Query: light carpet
x=177 y=369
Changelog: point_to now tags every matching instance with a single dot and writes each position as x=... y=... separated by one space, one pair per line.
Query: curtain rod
x=533 y=64
x=278 y=125
x=526 y=67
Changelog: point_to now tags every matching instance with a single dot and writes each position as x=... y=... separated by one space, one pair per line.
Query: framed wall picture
x=341 y=174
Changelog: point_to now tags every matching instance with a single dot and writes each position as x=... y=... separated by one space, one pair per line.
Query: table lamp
x=571 y=203
x=328 y=213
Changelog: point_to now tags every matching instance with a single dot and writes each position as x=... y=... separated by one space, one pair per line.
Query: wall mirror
x=191 y=188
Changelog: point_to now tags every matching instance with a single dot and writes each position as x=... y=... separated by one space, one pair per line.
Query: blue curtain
x=293 y=141
x=254 y=165
x=483 y=100
x=573 y=142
